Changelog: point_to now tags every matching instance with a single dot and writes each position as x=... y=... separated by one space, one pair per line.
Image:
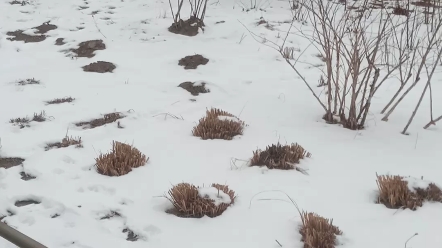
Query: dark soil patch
x=95 y=12
x=107 y=118
x=110 y=215
x=26 y=177
x=99 y=67
x=59 y=42
x=55 y=216
x=18 y=35
x=45 y=27
x=401 y=11
x=22 y=3
x=188 y=28
x=60 y=100
x=25 y=203
x=220 y=22
x=10 y=162
x=28 y=81
x=193 y=61
x=65 y=142
x=87 y=48
x=131 y=236
x=83 y=7
x=194 y=90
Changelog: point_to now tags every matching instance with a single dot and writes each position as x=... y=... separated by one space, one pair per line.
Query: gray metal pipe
x=18 y=238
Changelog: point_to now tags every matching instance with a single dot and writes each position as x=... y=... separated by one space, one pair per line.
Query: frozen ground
x=245 y=78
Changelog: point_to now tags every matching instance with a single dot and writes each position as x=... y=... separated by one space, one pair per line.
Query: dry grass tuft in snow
x=60 y=100
x=120 y=160
x=65 y=142
x=317 y=231
x=397 y=192
x=106 y=119
x=23 y=122
x=190 y=201
x=28 y=81
x=218 y=124
x=279 y=157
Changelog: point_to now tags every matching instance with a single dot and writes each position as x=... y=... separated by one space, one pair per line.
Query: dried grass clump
x=60 y=100
x=66 y=142
x=317 y=231
x=106 y=119
x=24 y=121
x=120 y=160
x=283 y=157
x=189 y=204
x=395 y=193
x=218 y=124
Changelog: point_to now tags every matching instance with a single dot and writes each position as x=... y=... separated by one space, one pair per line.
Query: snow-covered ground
x=245 y=78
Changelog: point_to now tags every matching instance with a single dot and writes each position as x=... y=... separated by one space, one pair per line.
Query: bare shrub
x=284 y=157
x=66 y=142
x=190 y=26
x=106 y=119
x=218 y=124
x=60 y=100
x=395 y=193
x=317 y=231
x=188 y=201
x=120 y=160
x=39 y=117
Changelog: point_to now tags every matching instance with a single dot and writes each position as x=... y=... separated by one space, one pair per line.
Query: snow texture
x=214 y=194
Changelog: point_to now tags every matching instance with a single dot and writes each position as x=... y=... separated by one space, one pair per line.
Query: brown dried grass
x=317 y=231
x=66 y=142
x=188 y=204
x=394 y=193
x=284 y=157
x=60 y=100
x=106 y=119
x=211 y=127
x=120 y=160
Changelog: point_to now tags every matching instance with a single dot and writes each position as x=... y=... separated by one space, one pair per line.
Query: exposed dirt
x=112 y=214
x=18 y=35
x=194 y=89
x=45 y=27
x=188 y=28
x=87 y=48
x=26 y=177
x=106 y=119
x=10 y=162
x=99 y=67
x=25 y=203
x=59 y=42
x=131 y=236
x=193 y=61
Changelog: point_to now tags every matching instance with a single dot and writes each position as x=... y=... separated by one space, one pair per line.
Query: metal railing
x=18 y=238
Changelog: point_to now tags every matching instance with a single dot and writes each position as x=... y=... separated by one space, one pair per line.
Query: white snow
x=218 y=196
x=228 y=118
x=247 y=79
x=416 y=183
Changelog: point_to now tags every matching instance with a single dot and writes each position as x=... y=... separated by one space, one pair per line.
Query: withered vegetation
x=60 y=100
x=106 y=119
x=218 y=124
x=188 y=203
x=66 y=142
x=317 y=231
x=28 y=81
x=120 y=160
x=23 y=122
x=284 y=157
x=395 y=193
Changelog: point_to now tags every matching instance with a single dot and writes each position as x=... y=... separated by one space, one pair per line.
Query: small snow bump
x=218 y=196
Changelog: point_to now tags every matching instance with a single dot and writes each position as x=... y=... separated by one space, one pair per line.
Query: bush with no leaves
x=120 y=160
x=279 y=157
x=317 y=231
x=188 y=202
x=395 y=193
x=218 y=124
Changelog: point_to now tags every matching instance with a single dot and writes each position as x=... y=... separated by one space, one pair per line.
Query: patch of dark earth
x=59 y=42
x=189 y=27
x=131 y=236
x=4 y=216
x=107 y=119
x=194 y=89
x=45 y=27
x=55 y=216
x=26 y=177
x=86 y=49
x=112 y=214
x=99 y=67
x=25 y=203
x=10 y=162
x=18 y=35
x=83 y=7
x=192 y=61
